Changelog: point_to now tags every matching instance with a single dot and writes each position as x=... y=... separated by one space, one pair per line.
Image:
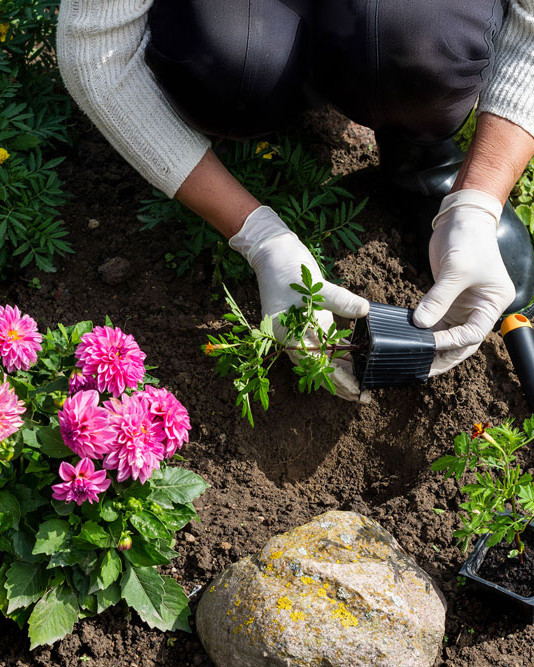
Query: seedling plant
x=501 y=500
x=248 y=353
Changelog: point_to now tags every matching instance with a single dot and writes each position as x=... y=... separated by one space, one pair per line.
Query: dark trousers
x=245 y=67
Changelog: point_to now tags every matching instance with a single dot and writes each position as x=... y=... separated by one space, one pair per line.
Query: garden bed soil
x=510 y=573
x=308 y=453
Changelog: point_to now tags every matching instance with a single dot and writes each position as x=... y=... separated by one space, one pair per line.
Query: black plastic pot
x=470 y=570
x=393 y=351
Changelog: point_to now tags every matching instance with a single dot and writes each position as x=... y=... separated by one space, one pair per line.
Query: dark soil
x=307 y=454
x=510 y=573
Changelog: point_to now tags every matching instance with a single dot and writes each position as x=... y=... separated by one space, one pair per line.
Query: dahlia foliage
x=89 y=499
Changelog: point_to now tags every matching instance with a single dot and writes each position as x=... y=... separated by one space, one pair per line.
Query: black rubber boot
x=425 y=174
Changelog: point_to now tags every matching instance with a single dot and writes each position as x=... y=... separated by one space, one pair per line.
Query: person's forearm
x=499 y=152
x=211 y=191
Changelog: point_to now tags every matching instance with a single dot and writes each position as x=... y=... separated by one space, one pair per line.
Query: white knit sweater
x=100 y=49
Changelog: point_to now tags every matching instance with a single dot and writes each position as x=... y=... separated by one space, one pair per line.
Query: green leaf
x=175 y=608
x=144 y=554
x=23 y=544
x=528 y=426
x=9 y=511
x=51 y=537
x=108 y=512
x=438 y=511
x=108 y=597
x=143 y=590
x=149 y=525
x=25 y=584
x=179 y=517
x=52 y=443
x=175 y=485
x=92 y=533
x=53 y=617
x=86 y=560
x=110 y=569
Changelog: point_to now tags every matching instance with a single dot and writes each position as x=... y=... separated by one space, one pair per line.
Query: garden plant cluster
x=89 y=499
x=34 y=110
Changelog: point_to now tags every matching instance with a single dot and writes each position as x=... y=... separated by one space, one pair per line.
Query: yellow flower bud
x=4 y=29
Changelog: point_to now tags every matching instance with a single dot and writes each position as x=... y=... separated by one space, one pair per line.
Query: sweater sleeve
x=100 y=51
x=510 y=93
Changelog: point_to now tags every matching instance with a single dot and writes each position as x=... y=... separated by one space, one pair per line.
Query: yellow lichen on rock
x=337 y=591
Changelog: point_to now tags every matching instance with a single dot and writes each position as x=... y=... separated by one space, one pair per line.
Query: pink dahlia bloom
x=19 y=339
x=113 y=357
x=80 y=483
x=138 y=446
x=84 y=425
x=10 y=410
x=79 y=380
x=173 y=416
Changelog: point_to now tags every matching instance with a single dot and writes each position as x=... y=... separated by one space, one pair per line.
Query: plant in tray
x=500 y=504
x=89 y=497
x=248 y=353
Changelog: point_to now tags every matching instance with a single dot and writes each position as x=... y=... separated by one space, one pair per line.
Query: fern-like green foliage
x=282 y=175
x=33 y=114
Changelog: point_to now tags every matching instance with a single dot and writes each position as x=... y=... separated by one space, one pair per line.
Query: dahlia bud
x=7 y=451
x=125 y=542
x=134 y=505
x=155 y=508
x=59 y=402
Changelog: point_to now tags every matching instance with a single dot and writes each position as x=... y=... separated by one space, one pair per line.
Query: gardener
x=412 y=71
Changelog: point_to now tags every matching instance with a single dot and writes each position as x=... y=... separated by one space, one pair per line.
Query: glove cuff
x=476 y=199
x=262 y=225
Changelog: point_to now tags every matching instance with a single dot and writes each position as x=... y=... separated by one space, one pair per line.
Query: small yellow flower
x=4 y=29
x=4 y=155
x=263 y=145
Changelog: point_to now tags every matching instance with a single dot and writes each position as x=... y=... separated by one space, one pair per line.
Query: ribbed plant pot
x=392 y=350
x=471 y=567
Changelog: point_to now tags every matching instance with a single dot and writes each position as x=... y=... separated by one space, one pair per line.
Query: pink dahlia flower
x=19 y=339
x=113 y=357
x=173 y=416
x=79 y=380
x=10 y=410
x=80 y=483
x=84 y=425
x=138 y=446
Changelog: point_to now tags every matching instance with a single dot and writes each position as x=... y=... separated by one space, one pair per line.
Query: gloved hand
x=276 y=254
x=472 y=287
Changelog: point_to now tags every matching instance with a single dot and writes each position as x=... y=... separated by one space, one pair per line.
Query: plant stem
x=516 y=536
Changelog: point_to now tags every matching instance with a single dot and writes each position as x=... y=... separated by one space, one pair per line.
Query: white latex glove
x=276 y=254
x=472 y=287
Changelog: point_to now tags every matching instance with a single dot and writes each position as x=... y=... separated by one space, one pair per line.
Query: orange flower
x=478 y=430
x=208 y=348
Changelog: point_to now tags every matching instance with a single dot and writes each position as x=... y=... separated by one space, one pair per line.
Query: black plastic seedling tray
x=392 y=350
x=470 y=569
